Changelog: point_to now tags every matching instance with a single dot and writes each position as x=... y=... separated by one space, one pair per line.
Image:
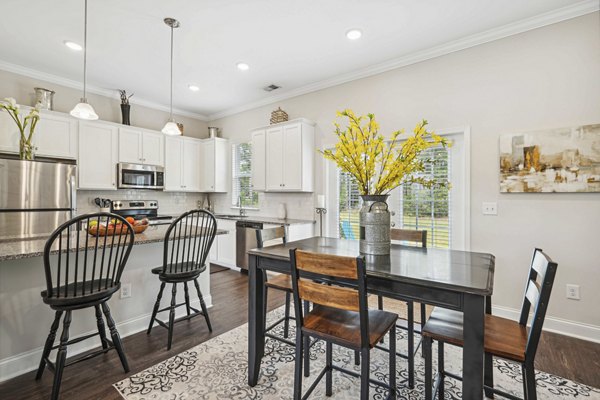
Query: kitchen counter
x=15 y=249
x=265 y=220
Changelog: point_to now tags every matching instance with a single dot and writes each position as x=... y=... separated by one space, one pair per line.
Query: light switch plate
x=573 y=292
x=489 y=208
x=125 y=290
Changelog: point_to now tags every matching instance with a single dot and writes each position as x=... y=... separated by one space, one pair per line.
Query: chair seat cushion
x=281 y=282
x=503 y=337
x=343 y=327
x=181 y=271
x=94 y=290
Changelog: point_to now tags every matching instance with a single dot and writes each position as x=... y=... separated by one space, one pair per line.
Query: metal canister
x=213 y=132
x=45 y=97
x=375 y=225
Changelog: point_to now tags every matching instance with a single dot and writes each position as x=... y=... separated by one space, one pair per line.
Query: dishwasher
x=245 y=239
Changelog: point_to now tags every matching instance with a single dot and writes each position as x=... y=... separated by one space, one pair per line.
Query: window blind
x=242 y=175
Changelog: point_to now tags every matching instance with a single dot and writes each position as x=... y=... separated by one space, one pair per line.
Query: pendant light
x=171 y=127
x=83 y=110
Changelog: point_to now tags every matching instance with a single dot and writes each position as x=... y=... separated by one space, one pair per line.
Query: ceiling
x=299 y=45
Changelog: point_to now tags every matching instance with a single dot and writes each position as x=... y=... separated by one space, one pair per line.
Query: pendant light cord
x=85 y=49
x=171 y=108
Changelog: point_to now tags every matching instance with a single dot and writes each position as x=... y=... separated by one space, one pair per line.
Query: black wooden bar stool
x=503 y=338
x=187 y=243
x=80 y=279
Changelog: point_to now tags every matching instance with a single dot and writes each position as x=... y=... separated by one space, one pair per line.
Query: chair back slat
x=537 y=295
x=188 y=241
x=266 y=235
x=327 y=265
x=330 y=296
x=70 y=274
x=408 y=235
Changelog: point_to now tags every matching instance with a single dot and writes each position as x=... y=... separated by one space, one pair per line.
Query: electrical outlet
x=489 y=208
x=125 y=290
x=573 y=292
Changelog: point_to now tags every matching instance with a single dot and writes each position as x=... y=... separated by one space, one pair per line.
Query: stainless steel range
x=139 y=209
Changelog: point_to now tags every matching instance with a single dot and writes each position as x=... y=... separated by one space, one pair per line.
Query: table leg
x=256 y=319
x=473 y=354
x=489 y=360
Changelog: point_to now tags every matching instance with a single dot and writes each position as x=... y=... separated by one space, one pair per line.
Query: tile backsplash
x=168 y=202
x=297 y=205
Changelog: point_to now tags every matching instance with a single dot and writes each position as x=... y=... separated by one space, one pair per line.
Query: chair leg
x=172 y=315
x=156 y=307
x=203 y=305
x=48 y=345
x=441 y=370
x=61 y=356
x=427 y=342
x=101 y=328
x=187 y=298
x=410 y=309
x=114 y=334
x=286 y=321
x=488 y=376
x=379 y=307
x=328 y=365
x=530 y=387
x=306 y=353
x=298 y=365
x=365 y=366
x=392 y=361
x=356 y=357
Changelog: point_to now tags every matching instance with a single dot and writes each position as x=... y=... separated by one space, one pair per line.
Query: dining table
x=453 y=279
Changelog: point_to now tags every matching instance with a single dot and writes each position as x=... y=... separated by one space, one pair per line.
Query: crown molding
x=524 y=25
x=110 y=93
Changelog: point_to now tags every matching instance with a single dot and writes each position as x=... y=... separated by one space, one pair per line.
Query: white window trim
x=233 y=176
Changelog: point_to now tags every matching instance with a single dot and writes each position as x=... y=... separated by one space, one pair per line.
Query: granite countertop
x=265 y=220
x=14 y=249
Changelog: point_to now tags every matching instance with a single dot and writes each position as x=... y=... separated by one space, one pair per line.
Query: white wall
x=545 y=78
x=108 y=109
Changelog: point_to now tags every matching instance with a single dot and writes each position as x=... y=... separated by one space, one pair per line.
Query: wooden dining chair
x=187 y=243
x=85 y=273
x=418 y=238
x=340 y=316
x=503 y=338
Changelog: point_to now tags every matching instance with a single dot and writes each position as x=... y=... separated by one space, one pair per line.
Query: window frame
x=235 y=175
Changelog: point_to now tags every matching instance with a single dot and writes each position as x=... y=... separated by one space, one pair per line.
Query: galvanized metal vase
x=375 y=225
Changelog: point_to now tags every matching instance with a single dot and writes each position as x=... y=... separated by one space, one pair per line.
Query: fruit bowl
x=139 y=226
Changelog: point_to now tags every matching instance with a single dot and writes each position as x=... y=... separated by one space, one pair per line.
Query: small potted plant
x=26 y=147
x=125 y=107
x=379 y=166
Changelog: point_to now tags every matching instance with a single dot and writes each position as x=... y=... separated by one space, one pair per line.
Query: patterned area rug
x=217 y=369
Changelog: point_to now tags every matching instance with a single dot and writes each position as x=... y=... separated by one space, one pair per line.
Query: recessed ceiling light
x=243 y=66
x=73 y=45
x=193 y=88
x=354 y=34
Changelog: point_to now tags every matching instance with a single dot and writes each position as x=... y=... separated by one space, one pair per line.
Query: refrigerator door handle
x=73 y=187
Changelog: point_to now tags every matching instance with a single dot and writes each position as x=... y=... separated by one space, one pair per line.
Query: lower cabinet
x=223 y=248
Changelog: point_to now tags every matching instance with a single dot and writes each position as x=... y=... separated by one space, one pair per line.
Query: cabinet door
x=56 y=136
x=173 y=163
x=222 y=165
x=152 y=148
x=9 y=134
x=207 y=166
x=292 y=154
x=191 y=165
x=226 y=243
x=258 y=160
x=130 y=146
x=274 y=173
x=98 y=149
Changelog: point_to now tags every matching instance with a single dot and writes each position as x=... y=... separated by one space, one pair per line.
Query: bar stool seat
x=82 y=300
x=194 y=271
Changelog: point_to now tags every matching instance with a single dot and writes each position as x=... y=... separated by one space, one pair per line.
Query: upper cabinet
x=98 y=149
x=214 y=165
x=288 y=161
x=138 y=146
x=182 y=164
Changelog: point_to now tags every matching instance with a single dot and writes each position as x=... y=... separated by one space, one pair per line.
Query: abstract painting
x=553 y=160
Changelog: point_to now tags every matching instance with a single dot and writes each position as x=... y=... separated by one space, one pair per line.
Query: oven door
x=139 y=176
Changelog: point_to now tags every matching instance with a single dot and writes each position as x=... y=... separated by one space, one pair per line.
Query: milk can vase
x=375 y=225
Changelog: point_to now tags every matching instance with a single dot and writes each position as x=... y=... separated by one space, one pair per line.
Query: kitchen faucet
x=241 y=207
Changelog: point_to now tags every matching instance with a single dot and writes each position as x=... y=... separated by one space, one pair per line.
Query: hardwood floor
x=92 y=379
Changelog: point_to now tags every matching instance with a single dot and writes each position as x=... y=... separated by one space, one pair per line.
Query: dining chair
x=418 y=238
x=85 y=272
x=340 y=316
x=503 y=338
x=187 y=243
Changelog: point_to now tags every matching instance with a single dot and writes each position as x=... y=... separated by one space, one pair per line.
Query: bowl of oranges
x=115 y=227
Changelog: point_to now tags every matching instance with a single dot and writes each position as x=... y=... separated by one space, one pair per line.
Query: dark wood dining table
x=458 y=280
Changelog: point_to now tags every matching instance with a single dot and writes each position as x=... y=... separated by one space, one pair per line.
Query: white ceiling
x=296 y=44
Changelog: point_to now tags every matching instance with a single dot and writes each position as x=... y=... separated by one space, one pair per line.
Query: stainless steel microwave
x=138 y=176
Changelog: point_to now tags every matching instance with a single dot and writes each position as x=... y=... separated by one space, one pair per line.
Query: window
x=441 y=212
x=242 y=176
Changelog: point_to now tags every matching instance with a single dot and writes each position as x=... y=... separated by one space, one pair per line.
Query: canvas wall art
x=553 y=160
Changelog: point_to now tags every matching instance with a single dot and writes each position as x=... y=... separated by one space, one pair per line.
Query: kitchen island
x=25 y=319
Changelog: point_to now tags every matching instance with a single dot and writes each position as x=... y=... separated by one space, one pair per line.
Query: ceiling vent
x=270 y=88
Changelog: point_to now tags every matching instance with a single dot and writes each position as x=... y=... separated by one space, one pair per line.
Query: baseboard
x=565 y=327
x=22 y=363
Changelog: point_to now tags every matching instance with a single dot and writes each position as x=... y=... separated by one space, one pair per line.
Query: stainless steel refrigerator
x=35 y=197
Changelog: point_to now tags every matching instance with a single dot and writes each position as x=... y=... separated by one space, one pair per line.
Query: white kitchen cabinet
x=138 y=146
x=98 y=149
x=226 y=243
x=214 y=165
x=182 y=164
x=289 y=157
x=259 y=166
